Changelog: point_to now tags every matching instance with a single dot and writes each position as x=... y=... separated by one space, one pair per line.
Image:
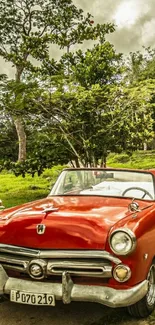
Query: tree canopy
x=75 y=109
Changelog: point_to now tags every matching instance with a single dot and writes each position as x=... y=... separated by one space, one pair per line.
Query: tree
x=141 y=73
x=28 y=28
x=99 y=65
x=8 y=140
x=108 y=118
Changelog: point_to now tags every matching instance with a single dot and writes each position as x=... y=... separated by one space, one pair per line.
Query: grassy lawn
x=17 y=190
x=138 y=160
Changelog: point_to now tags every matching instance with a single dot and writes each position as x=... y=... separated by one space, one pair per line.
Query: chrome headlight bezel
x=129 y=234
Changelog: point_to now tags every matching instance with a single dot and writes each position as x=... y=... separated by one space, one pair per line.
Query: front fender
x=143 y=225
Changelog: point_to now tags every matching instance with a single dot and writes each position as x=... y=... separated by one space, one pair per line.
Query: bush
x=53 y=172
x=120 y=158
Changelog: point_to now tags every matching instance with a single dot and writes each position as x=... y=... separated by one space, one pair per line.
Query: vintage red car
x=92 y=239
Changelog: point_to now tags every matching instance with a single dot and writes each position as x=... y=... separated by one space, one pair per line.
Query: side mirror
x=1 y=205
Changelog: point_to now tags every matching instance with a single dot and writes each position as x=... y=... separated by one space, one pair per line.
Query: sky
x=134 y=20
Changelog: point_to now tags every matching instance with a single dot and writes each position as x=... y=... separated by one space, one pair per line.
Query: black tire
x=146 y=305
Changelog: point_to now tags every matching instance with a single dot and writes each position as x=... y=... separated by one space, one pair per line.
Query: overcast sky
x=135 y=20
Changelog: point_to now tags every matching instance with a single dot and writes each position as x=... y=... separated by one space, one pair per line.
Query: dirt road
x=73 y=314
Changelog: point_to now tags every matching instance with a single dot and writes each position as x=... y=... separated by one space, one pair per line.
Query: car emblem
x=41 y=229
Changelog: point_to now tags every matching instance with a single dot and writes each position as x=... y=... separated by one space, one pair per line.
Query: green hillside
x=138 y=160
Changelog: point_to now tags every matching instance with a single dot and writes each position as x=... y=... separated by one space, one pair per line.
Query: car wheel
x=146 y=305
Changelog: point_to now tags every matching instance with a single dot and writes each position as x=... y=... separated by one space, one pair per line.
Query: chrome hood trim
x=34 y=253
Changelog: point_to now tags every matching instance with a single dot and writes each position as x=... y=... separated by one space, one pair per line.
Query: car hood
x=78 y=223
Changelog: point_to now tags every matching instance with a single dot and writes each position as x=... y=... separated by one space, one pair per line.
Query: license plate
x=30 y=298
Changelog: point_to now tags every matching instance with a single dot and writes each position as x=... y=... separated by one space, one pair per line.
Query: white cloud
x=129 y=11
x=147 y=34
x=126 y=14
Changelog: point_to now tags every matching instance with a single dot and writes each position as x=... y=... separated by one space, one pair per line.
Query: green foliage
x=8 y=140
x=81 y=125
x=141 y=73
x=118 y=158
x=27 y=28
x=53 y=173
x=29 y=166
x=102 y=118
x=77 y=109
x=99 y=65
x=141 y=66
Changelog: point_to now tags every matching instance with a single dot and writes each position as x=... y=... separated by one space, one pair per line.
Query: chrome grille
x=80 y=268
x=76 y=262
x=14 y=262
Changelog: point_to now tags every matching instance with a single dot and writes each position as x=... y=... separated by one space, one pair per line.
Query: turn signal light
x=121 y=273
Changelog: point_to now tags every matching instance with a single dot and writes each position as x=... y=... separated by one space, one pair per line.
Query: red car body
x=80 y=225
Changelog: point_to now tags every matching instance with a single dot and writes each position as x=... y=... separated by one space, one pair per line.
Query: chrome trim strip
x=79 y=254
x=14 y=268
x=34 y=253
x=19 y=250
x=79 y=268
x=10 y=260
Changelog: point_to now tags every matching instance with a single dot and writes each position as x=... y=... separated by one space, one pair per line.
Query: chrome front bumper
x=67 y=291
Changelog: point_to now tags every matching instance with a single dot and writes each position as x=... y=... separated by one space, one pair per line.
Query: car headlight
x=122 y=241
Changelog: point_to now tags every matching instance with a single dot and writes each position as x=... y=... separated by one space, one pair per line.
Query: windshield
x=105 y=183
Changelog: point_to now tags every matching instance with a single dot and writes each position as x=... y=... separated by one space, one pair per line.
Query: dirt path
x=73 y=314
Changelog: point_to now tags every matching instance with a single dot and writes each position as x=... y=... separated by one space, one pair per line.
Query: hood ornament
x=50 y=209
x=41 y=229
x=134 y=206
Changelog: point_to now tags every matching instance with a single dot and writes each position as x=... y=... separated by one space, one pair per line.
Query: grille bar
x=80 y=268
x=62 y=254
x=14 y=263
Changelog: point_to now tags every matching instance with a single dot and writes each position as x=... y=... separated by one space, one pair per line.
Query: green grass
x=138 y=160
x=17 y=190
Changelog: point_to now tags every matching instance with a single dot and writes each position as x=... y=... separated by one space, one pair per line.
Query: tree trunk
x=21 y=138
x=18 y=121
x=103 y=161
x=145 y=146
x=77 y=162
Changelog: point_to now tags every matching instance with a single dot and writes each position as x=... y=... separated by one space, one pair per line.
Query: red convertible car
x=92 y=239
